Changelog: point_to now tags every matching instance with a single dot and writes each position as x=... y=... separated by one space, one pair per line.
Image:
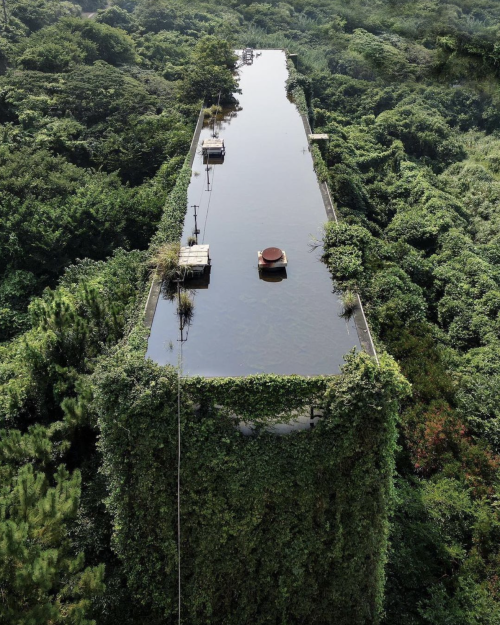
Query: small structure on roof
x=194 y=258
x=272 y=258
x=318 y=138
x=247 y=56
x=213 y=147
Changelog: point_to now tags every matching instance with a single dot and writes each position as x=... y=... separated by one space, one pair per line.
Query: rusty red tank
x=272 y=254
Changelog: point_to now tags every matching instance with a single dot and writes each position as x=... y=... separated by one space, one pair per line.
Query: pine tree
x=41 y=579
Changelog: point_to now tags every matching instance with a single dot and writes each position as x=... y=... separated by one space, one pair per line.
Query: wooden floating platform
x=195 y=257
x=213 y=147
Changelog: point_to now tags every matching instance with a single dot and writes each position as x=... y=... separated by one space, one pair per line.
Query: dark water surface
x=264 y=194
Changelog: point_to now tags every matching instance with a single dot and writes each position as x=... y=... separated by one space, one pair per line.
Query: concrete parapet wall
x=155 y=290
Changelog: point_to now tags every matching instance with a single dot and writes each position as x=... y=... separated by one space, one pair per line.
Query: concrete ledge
x=196 y=135
x=323 y=186
x=155 y=289
x=362 y=328
x=151 y=302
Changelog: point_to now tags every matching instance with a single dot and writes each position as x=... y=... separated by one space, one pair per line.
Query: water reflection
x=201 y=281
x=276 y=275
x=264 y=192
x=213 y=160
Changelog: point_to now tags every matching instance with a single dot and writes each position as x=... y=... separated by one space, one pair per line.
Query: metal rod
x=179 y=375
x=208 y=176
x=196 y=231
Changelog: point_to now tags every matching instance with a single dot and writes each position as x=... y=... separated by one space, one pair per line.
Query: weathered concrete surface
x=155 y=289
x=362 y=328
x=152 y=301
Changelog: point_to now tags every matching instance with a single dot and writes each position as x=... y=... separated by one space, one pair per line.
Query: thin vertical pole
x=179 y=373
x=208 y=176
x=179 y=486
x=196 y=231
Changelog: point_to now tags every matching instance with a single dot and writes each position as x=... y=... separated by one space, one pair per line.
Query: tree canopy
x=96 y=119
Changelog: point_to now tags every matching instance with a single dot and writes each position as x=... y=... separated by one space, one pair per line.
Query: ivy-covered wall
x=172 y=220
x=259 y=399
x=275 y=529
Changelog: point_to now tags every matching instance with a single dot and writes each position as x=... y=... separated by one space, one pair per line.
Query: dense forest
x=98 y=104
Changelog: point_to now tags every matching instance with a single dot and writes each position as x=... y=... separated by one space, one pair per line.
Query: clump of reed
x=165 y=262
x=185 y=307
x=212 y=110
x=349 y=303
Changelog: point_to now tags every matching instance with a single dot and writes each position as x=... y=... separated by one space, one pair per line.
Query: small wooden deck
x=195 y=258
x=213 y=147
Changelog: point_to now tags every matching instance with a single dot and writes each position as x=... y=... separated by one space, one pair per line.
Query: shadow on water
x=273 y=276
x=263 y=193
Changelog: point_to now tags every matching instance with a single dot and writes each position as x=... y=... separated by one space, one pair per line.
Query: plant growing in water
x=212 y=110
x=165 y=262
x=185 y=307
x=349 y=303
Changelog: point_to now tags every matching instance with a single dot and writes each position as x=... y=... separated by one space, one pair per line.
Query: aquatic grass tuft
x=185 y=307
x=212 y=110
x=349 y=304
x=165 y=261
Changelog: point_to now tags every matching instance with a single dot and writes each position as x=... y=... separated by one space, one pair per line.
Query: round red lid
x=272 y=254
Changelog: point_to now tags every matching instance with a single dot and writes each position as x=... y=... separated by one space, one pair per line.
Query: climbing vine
x=259 y=513
x=171 y=223
x=319 y=164
x=259 y=398
x=299 y=87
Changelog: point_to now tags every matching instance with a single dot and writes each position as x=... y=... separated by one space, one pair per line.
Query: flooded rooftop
x=263 y=193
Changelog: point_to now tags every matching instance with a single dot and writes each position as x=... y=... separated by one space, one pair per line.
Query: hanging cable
x=210 y=185
x=208 y=160
x=220 y=110
x=214 y=118
x=179 y=481
x=179 y=375
x=208 y=209
x=203 y=186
